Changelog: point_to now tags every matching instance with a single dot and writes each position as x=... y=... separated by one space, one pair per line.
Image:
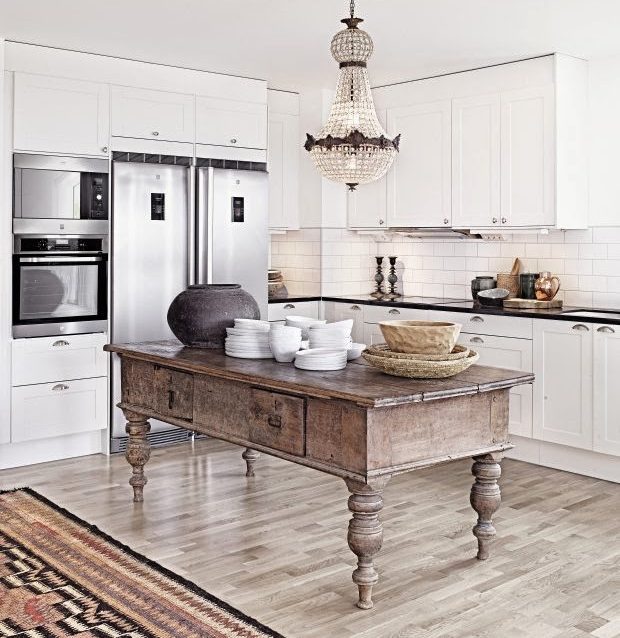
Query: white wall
x=5 y=263
x=604 y=134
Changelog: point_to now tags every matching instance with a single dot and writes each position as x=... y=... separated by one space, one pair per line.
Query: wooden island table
x=357 y=423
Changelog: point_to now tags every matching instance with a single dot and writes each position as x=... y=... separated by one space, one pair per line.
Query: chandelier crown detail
x=352 y=147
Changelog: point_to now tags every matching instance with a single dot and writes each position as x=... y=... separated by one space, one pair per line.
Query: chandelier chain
x=352 y=8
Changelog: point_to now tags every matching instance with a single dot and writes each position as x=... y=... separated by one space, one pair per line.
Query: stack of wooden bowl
x=420 y=350
x=275 y=285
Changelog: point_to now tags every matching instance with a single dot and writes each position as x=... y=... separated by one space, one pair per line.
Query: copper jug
x=546 y=286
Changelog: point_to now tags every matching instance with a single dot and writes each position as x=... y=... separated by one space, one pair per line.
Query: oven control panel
x=59 y=244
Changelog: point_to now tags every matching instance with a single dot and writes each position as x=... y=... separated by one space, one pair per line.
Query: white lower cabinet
x=342 y=311
x=279 y=311
x=514 y=354
x=606 y=374
x=56 y=409
x=563 y=388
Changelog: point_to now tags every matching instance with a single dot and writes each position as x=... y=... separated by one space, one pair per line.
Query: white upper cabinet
x=476 y=161
x=155 y=115
x=563 y=386
x=528 y=157
x=418 y=186
x=223 y=122
x=57 y=115
x=283 y=160
x=606 y=395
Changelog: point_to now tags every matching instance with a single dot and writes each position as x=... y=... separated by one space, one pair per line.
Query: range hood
x=435 y=233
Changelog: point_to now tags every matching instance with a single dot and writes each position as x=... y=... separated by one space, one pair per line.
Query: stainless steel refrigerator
x=171 y=226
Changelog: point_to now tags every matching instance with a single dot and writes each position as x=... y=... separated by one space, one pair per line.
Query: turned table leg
x=250 y=457
x=365 y=535
x=138 y=451
x=485 y=499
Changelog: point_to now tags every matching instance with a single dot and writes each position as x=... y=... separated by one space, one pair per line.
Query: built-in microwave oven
x=60 y=195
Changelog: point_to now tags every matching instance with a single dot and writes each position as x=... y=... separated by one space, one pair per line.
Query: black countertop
x=584 y=315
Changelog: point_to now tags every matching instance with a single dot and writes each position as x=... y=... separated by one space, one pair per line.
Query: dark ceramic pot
x=482 y=282
x=199 y=316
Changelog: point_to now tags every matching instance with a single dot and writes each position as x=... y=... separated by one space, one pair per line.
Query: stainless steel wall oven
x=59 y=285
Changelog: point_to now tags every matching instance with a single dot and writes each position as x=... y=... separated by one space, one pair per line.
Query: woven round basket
x=416 y=369
x=383 y=350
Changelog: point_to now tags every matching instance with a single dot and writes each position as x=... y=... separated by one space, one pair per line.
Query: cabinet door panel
x=563 y=386
x=606 y=396
x=231 y=123
x=283 y=165
x=344 y=311
x=419 y=183
x=514 y=354
x=476 y=161
x=156 y=115
x=527 y=158
x=56 y=115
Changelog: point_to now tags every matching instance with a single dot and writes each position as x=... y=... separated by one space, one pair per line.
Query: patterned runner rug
x=61 y=577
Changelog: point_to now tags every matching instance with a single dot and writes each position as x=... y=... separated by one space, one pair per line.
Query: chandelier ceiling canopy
x=352 y=147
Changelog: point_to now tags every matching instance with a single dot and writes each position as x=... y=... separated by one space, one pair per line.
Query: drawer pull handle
x=579 y=327
x=275 y=421
x=394 y=312
x=354 y=308
x=59 y=387
x=606 y=329
x=233 y=140
x=289 y=306
x=60 y=343
x=476 y=340
x=477 y=319
x=170 y=399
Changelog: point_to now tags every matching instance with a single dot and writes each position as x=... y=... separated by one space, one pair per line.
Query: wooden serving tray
x=532 y=304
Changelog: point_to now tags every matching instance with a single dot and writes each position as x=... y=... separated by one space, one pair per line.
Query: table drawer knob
x=274 y=420
x=60 y=343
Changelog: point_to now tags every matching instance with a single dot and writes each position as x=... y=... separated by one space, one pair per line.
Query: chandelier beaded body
x=352 y=147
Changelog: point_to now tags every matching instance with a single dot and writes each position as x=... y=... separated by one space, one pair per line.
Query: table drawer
x=519 y=327
x=375 y=314
x=175 y=393
x=56 y=409
x=278 y=421
x=279 y=311
x=47 y=359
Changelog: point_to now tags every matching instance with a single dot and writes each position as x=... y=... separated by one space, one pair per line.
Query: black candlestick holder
x=379 y=278
x=392 y=280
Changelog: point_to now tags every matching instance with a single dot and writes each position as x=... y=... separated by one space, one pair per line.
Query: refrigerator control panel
x=238 y=209
x=158 y=206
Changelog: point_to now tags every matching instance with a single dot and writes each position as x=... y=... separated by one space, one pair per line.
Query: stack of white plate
x=332 y=335
x=304 y=323
x=249 y=339
x=284 y=342
x=321 y=359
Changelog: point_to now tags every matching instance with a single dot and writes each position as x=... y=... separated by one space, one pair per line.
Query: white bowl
x=346 y=325
x=355 y=350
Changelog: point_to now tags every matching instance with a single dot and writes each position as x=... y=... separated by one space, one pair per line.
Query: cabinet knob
x=494 y=220
x=60 y=343
x=477 y=319
x=59 y=387
x=155 y=133
x=579 y=327
x=233 y=140
x=476 y=340
x=504 y=220
x=606 y=329
x=104 y=149
x=446 y=220
x=354 y=308
x=381 y=222
x=289 y=306
x=394 y=312
x=274 y=421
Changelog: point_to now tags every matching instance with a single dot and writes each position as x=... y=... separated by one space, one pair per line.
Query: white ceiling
x=287 y=41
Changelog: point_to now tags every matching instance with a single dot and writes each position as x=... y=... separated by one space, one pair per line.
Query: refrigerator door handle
x=191 y=226
x=204 y=226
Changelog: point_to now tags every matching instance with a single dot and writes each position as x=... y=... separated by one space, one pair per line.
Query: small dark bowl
x=494 y=297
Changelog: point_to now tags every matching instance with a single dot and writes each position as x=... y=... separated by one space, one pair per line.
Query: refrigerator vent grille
x=236 y=165
x=158 y=439
x=151 y=158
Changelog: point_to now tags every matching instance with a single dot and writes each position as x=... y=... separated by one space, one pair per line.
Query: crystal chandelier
x=352 y=147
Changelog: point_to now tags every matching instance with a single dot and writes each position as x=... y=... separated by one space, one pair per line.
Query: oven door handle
x=61 y=259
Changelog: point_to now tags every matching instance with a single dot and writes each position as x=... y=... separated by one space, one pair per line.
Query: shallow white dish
x=355 y=350
x=245 y=355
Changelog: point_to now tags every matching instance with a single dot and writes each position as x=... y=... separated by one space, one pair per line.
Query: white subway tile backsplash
x=593 y=251
x=578 y=298
x=578 y=266
x=606 y=235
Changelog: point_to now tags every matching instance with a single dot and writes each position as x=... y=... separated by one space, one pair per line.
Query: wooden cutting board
x=532 y=304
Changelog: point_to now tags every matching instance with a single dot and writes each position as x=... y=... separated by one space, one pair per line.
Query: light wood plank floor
x=274 y=546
